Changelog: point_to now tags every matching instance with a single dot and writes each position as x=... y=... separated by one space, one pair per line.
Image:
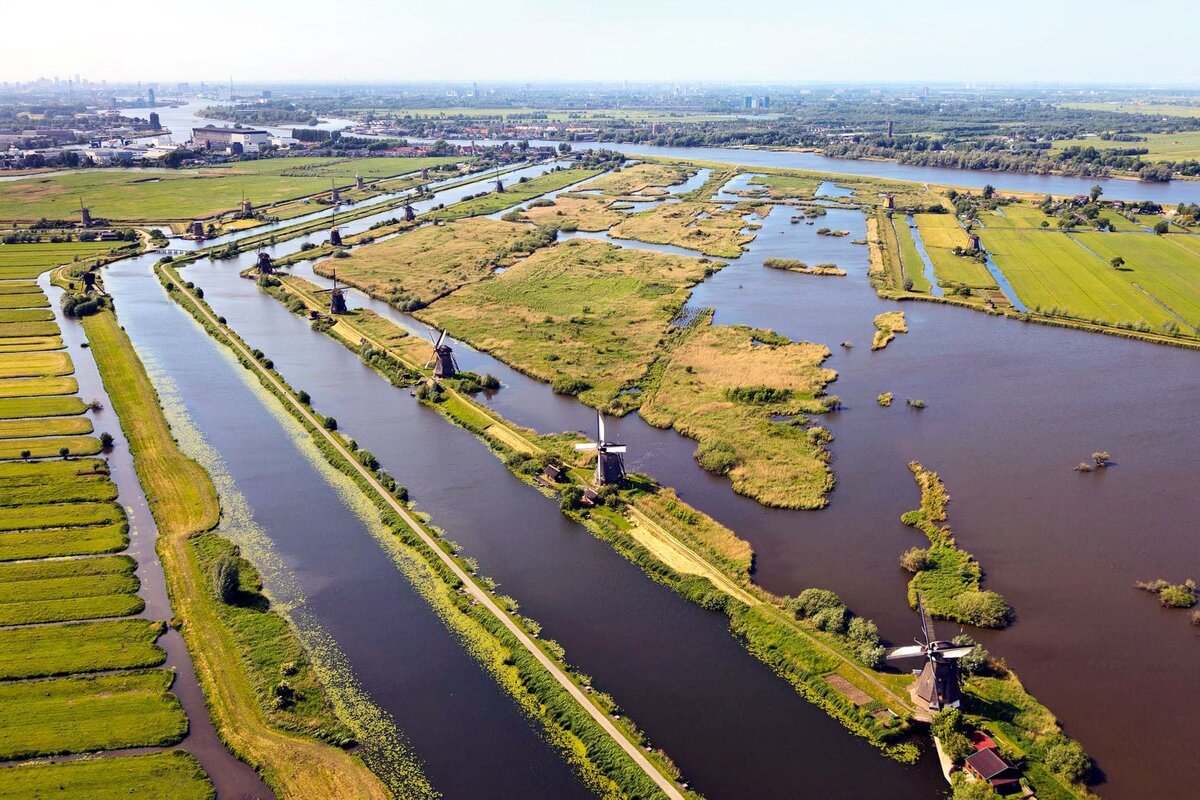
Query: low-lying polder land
x=78 y=672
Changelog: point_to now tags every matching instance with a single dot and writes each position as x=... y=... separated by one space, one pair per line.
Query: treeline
x=274 y=112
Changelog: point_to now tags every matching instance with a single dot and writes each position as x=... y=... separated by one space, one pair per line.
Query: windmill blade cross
x=600 y=426
x=955 y=652
x=907 y=651
x=619 y=448
x=586 y=446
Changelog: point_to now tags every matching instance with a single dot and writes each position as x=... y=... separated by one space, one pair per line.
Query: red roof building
x=987 y=765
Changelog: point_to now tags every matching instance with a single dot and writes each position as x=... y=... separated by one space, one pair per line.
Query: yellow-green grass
x=58 y=515
x=25 y=314
x=1188 y=243
x=57 y=591
x=941 y=233
x=581 y=213
x=175 y=774
x=184 y=503
x=887 y=325
x=719 y=233
x=37 y=300
x=344 y=170
x=785 y=187
x=43 y=447
x=60 y=542
x=777 y=463
x=1153 y=109
x=1171 y=274
x=83 y=714
x=19 y=287
x=1178 y=146
x=35 y=365
x=910 y=257
x=513 y=194
x=1017 y=215
x=640 y=178
x=50 y=426
x=179 y=194
x=37 y=387
x=31 y=260
x=26 y=344
x=428 y=262
x=582 y=311
x=65 y=649
x=25 y=329
x=1050 y=271
x=17 y=407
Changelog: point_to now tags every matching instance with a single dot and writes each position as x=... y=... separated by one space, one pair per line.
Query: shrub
x=106 y=439
x=966 y=789
x=1179 y=595
x=330 y=424
x=1102 y=459
x=303 y=397
x=985 y=609
x=572 y=498
x=571 y=386
x=226 y=578
x=1065 y=757
x=915 y=559
x=950 y=728
x=759 y=395
x=718 y=457
x=832 y=620
x=884 y=399
x=974 y=662
x=810 y=601
x=863 y=631
x=872 y=655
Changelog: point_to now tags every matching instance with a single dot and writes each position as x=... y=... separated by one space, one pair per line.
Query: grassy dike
x=184 y=504
x=674 y=544
x=608 y=753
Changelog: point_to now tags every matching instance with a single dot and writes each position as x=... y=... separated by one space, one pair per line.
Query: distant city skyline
x=762 y=41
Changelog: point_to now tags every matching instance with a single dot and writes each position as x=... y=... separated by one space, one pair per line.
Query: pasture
x=43 y=447
x=584 y=315
x=52 y=426
x=59 y=542
x=28 y=344
x=724 y=390
x=29 y=300
x=648 y=179
x=75 y=647
x=513 y=194
x=1178 y=146
x=188 y=193
x=576 y=213
x=24 y=261
x=1153 y=109
x=941 y=233
x=14 y=407
x=82 y=714
x=910 y=258
x=174 y=774
x=37 y=387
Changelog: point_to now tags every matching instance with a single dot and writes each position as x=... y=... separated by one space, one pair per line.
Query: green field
x=586 y=315
x=23 y=301
x=31 y=260
x=58 y=515
x=157 y=776
x=15 y=407
x=25 y=344
x=37 y=387
x=57 y=591
x=781 y=187
x=910 y=258
x=19 y=287
x=49 y=650
x=707 y=228
x=25 y=315
x=59 y=542
x=79 y=715
x=1054 y=272
x=1170 y=274
x=1179 y=146
x=52 y=426
x=55 y=482
x=1158 y=110
x=49 y=447
x=189 y=193
x=940 y=234
x=8 y=329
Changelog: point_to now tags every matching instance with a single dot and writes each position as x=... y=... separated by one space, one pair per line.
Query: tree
x=915 y=559
x=988 y=191
x=64 y=452
x=227 y=578
x=330 y=424
x=25 y=455
x=965 y=789
x=1117 y=262
x=1095 y=192
x=106 y=440
x=1161 y=227
x=1066 y=758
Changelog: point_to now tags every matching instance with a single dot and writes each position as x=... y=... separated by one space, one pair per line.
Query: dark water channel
x=1011 y=408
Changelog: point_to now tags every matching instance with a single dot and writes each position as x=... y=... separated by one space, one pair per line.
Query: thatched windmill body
x=442 y=358
x=610 y=456
x=938 y=681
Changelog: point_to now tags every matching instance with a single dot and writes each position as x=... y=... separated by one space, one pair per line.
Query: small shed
x=987 y=765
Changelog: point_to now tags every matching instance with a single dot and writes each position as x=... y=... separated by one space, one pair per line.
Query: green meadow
x=43 y=447
x=37 y=387
x=16 y=407
x=941 y=233
x=61 y=542
x=175 y=774
x=910 y=258
x=19 y=261
x=29 y=300
x=75 y=647
x=513 y=194
x=52 y=426
x=26 y=344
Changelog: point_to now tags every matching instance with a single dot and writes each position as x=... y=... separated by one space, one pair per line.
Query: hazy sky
x=777 y=41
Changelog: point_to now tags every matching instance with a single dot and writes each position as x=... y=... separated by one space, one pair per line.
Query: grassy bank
x=947 y=577
x=174 y=774
x=887 y=325
x=184 y=504
x=709 y=228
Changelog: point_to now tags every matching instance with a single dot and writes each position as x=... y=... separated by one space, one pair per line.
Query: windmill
x=937 y=682
x=610 y=464
x=359 y=183
x=85 y=214
x=334 y=195
x=409 y=214
x=335 y=236
x=337 y=297
x=442 y=358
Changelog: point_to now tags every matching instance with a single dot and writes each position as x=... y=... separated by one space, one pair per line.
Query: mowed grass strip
x=1156 y=264
x=25 y=344
x=1052 y=272
x=58 y=515
x=60 y=542
x=84 y=714
x=584 y=315
x=37 y=387
x=48 y=447
x=910 y=258
x=10 y=315
x=23 y=407
x=19 y=287
x=57 y=591
x=31 y=300
x=25 y=329
x=34 y=259
x=29 y=483
x=175 y=774
x=50 y=426
x=34 y=365
x=75 y=647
